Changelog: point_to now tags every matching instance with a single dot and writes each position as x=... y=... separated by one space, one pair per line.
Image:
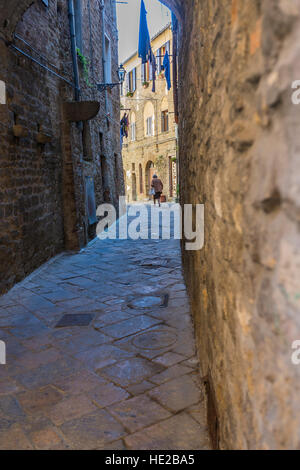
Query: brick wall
x=239 y=155
x=42 y=189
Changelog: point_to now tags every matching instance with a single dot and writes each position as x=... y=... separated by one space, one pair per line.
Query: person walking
x=158 y=187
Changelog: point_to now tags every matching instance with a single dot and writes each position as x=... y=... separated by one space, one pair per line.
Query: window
x=165 y=121
x=131 y=81
x=133 y=131
x=141 y=178
x=132 y=121
x=161 y=54
x=145 y=72
x=46 y=2
x=107 y=55
x=149 y=119
x=149 y=129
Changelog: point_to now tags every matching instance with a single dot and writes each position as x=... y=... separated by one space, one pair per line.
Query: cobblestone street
x=120 y=371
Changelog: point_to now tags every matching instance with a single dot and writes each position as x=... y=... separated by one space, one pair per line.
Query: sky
x=128 y=23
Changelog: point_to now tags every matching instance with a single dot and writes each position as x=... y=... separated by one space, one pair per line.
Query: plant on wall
x=129 y=94
x=85 y=62
x=160 y=163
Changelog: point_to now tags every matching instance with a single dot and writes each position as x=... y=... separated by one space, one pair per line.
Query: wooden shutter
x=134 y=79
x=143 y=73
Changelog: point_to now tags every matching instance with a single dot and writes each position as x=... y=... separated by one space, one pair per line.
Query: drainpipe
x=103 y=51
x=73 y=48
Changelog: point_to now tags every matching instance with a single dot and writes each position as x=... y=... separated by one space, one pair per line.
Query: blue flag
x=167 y=69
x=144 y=37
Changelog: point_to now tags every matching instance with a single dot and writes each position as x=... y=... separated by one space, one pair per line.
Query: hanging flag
x=167 y=69
x=145 y=51
x=153 y=63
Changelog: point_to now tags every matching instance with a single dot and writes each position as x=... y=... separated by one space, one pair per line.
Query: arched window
x=149 y=119
x=133 y=127
x=141 y=178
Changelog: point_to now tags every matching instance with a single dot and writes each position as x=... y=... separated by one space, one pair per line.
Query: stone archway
x=149 y=172
x=11 y=13
x=175 y=5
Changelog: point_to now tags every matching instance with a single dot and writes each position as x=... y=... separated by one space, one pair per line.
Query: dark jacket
x=157 y=185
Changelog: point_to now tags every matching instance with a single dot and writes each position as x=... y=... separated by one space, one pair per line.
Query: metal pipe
x=102 y=6
x=42 y=65
x=36 y=51
x=71 y=15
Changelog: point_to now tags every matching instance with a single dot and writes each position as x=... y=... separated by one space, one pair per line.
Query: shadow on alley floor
x=127 y=379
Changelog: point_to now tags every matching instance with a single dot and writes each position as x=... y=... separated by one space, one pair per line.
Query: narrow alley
x=138 y=344
x=101 y=353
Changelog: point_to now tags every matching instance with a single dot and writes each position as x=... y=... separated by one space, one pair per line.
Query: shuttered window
x=145 y=72
x=131 y=81
x=164 y=121
x=149 y=123
x=133 y=131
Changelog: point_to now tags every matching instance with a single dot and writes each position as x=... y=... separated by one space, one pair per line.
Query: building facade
x=59 y=139
x=151 y=146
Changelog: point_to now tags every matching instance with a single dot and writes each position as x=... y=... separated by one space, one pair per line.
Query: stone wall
x=239 y=155
x=42 y=190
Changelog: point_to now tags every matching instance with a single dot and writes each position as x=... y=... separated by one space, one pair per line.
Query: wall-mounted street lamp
x=109 y=86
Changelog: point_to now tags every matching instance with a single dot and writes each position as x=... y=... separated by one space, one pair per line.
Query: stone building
x=239 y=146
x=151 y=146
x=60 y=146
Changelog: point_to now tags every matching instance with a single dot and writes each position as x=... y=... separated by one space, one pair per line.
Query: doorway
x=134 y=191
x=149 y=172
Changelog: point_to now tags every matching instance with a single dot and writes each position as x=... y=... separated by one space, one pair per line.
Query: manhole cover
x=80 y=319
x=154 y=340
x=149 y=301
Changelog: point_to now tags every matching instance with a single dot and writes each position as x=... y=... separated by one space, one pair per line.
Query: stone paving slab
x=128 y=380
x=180 y=432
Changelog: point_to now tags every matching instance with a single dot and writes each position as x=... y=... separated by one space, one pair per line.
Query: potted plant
x=145 y=84
x=129 y=94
